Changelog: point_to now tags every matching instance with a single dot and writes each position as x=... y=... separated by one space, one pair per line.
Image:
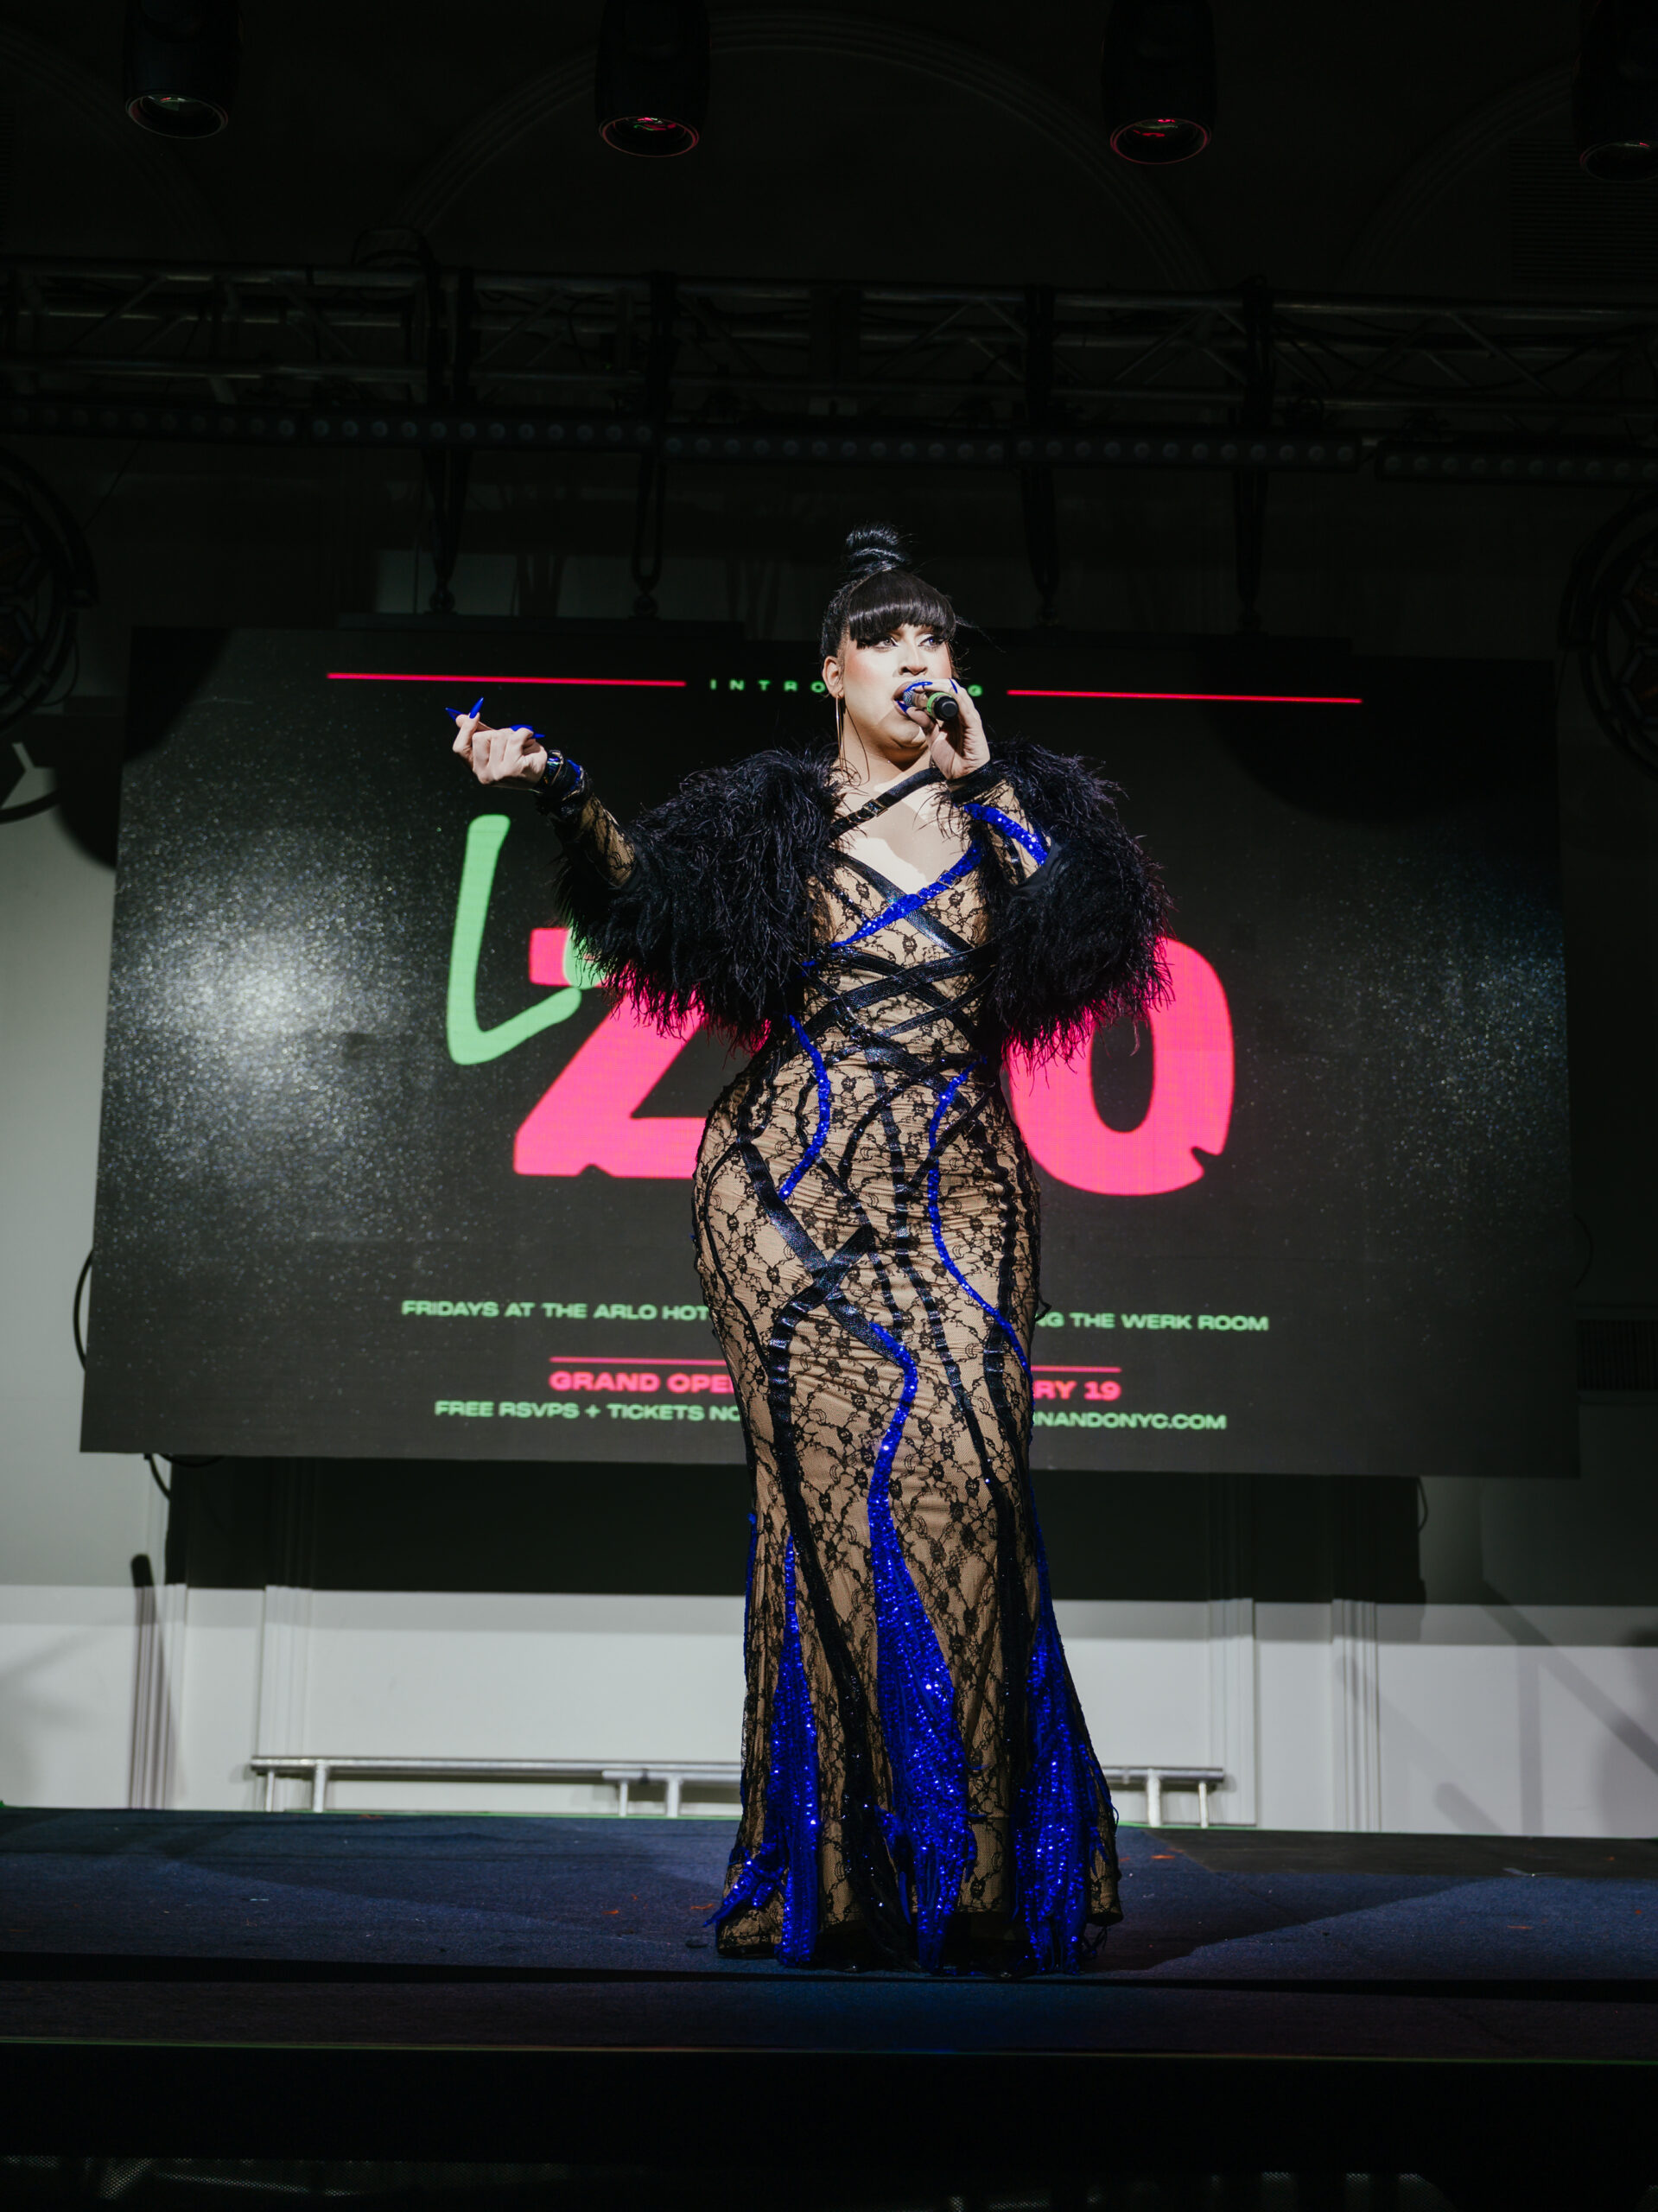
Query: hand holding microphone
x=936 y=701
x=959 y=745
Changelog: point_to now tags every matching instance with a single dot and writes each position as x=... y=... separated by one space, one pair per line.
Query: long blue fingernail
x=478 y=704
x=454 y=710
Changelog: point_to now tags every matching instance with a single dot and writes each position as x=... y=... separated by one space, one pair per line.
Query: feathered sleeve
x=701 y=909
x=1078 y=913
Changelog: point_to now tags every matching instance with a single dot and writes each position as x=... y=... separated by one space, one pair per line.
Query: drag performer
x=882 y=921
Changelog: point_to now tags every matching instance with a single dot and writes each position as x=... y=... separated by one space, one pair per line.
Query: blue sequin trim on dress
x=787 y=1858
x=906 y=905
x=825 y=1107
x=1020 y=835
x=927 y=1829
x=936 y=1216
x=1056 y=1835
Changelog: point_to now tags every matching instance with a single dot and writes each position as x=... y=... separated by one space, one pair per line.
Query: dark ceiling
x=1357 y=145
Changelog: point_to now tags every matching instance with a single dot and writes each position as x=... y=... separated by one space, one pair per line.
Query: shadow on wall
x=1638 y=1736
x=149 y=1758
x=1620 y=1714
x=83 y=748
x=1613 y=1723
x=1464 y=1815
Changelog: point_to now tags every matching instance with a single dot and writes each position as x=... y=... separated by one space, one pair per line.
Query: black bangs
x=873 y=607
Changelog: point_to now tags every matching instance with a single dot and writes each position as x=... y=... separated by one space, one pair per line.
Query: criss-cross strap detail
x=898 y=904
x=907 y=904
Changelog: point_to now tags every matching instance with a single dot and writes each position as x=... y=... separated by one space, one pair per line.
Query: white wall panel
x=1296 y=1688
x=1493 y=1720
x=1504 y=1720
x=215 y=1719
x=527 y=1677
x=67 y=1517
x=66 y=1664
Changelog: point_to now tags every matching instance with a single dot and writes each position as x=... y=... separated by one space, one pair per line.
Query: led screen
x=385 y=1172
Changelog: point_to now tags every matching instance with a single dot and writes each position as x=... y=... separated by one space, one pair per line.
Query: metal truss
x=710 y=370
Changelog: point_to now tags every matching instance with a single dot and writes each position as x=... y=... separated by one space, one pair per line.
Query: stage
x=348 y=1928
x=494 y=1986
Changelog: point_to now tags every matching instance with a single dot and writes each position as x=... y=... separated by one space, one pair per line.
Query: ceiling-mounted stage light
x=1157 y=78
x=181 y=65
x=1614 y=91
x=651 y=91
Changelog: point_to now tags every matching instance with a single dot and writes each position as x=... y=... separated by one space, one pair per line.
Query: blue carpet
x=356 y=1927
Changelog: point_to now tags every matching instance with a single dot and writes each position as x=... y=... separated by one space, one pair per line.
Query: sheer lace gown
x=919 y=1783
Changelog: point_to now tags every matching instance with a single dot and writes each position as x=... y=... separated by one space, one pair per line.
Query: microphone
x=940 y=703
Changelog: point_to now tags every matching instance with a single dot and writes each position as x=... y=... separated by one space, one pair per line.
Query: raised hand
x=499 y=756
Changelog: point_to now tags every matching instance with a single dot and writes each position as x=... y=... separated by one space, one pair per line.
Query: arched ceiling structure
x=972 y=150
x=1498 y=208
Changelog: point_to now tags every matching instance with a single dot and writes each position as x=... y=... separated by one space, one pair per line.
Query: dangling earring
x=857 y=775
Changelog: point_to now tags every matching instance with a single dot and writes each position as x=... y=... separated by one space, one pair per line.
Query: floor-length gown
x=919 y=1786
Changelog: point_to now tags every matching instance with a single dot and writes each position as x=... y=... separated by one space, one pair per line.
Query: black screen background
x=288 y=1151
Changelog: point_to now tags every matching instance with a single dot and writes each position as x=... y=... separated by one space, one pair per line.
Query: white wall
x=66 y=1694
x=1487 y=1721
x=66 y=1517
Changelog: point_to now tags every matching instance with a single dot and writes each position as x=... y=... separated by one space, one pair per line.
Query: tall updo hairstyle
x=879 y=593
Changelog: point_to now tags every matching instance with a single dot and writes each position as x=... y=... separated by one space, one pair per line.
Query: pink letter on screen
x=546 y=957
x=1192 y=1097
x=587 y=1117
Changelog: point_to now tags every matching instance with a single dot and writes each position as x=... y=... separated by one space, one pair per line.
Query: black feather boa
x=716 y=917
x=1079 y=943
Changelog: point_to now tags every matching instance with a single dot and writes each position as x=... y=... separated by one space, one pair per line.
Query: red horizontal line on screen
x=633 y=683
x=1230 y=698
x=632 y=1359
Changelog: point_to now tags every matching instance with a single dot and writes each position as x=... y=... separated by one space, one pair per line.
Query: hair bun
x=871 y=551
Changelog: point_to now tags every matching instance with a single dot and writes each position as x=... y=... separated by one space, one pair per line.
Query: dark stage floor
x=357 y=1930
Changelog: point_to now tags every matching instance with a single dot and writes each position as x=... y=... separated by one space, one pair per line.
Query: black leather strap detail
x=979 y=785
x=564 y=788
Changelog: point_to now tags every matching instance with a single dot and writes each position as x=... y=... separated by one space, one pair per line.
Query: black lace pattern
x=919 y=1788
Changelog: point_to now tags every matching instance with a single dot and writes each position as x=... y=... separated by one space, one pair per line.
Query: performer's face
x=868 y=679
